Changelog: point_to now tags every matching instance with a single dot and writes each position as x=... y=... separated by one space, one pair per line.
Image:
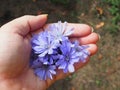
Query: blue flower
x=53 y=50
x=43 y=44
x=81 y=51
x=43 y=71
x=68 y=57
x=49 y=59
x=60 y=31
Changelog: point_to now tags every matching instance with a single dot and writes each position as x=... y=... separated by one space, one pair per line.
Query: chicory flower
x=44 y=71
x=69 y=56
x=52 y=49
x=43 y=44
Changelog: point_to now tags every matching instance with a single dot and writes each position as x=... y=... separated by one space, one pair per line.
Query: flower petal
x=63 y=65
x=71 y=68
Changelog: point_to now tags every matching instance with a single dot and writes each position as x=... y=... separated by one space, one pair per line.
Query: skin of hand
x=15 y=49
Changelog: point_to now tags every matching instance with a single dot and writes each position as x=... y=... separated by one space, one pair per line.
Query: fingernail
x=92 y=29
x=99 y=36
x=43 y=15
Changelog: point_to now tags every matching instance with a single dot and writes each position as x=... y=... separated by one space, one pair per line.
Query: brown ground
x=103 y=71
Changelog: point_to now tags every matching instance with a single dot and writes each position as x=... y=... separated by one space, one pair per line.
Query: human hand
x=15 y=48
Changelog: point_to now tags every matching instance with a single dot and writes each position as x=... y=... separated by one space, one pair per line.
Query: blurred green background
x=103 y=70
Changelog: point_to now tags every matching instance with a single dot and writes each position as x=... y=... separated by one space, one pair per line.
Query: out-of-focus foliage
x=64 y=2
x=114 y=8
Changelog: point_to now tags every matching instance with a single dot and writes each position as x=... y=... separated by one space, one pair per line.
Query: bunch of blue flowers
x=52 y=50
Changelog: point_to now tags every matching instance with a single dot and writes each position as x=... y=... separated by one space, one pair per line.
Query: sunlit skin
x=15 y=48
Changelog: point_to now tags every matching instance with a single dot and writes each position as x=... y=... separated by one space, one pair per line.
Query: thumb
x=25 y=24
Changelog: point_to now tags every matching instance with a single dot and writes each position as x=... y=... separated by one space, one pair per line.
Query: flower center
x=67 y=58
x=45 y=66
x=77 y=49
x=48 y=46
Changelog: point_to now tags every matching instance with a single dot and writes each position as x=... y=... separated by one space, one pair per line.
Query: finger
x=92 y=49
x=91 y=38
x=81 y=64
x=25 y=24
x=80 y=30
x=37 y=31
